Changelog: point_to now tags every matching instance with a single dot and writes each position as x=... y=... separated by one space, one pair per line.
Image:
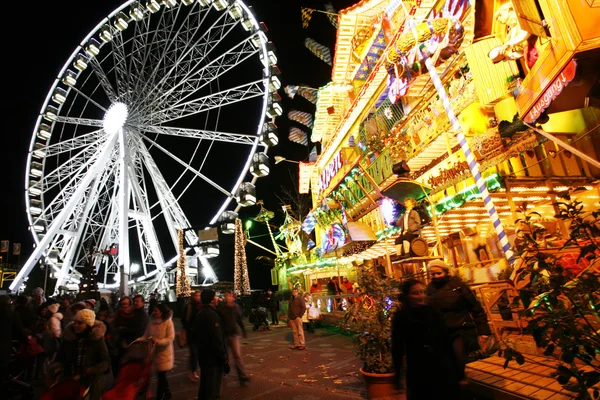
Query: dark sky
x=41 y=36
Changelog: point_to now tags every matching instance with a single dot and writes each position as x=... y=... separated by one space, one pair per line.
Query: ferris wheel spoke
x=236 y=138
x=65 y=170
x=189 y=168
x=103 y=79
x=79 y=121
x=171 y=210
x=120 y=67
x=85 y=96
x=192 y=51
x=195 y=80
x=94 y=137
x=210 y=102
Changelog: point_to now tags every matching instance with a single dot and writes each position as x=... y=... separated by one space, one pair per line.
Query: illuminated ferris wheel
x=164 y=103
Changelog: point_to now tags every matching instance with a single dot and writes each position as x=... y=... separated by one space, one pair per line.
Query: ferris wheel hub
x=115 y=118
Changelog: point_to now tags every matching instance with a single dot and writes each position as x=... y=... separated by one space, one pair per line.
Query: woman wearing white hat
x=83 y=354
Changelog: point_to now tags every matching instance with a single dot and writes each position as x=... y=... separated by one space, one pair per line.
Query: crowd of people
x=62 y=338
x=433 y=332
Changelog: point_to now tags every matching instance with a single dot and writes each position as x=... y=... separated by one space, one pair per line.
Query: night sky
x=40 y=37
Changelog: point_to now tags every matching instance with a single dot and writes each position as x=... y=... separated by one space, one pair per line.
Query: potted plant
x=369 y=321
x=561 y=296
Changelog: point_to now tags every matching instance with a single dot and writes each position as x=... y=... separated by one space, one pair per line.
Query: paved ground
x=327 y=369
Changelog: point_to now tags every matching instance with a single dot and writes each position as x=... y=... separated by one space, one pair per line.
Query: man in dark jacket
x=188 y=320
x=212 y=353
x=273 y=305
x=463 y=316
x=296 y=310
x=233 y=327
x=140 y=315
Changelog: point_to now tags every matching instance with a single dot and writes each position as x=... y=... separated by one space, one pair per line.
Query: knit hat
x=439 y=264
x=91 y=302
x=53 y=308
x=86 y=316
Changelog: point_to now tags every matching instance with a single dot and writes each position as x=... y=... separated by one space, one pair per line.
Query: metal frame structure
x=92 y=182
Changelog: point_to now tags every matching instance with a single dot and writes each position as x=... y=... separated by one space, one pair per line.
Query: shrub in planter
x=562 y=305
x=369 y=321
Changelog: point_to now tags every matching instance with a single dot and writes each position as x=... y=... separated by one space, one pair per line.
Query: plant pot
x=381 y=385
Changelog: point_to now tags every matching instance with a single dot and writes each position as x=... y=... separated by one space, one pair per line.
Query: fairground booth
x=479 y=111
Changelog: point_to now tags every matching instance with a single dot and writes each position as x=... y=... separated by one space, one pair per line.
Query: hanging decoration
x=309 y=223
x=183 y=287
x=332 y=15
x=302 y=117
x=297 y=135
x=441 y=37
x=241 y=281
x=290 y=232
x=306 y=15
x=307 y=92
x=318 y=50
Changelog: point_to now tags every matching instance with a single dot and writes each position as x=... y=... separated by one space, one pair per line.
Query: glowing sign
x=330 y=171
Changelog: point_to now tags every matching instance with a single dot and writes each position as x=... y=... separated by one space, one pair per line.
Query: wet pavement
x=327 y=369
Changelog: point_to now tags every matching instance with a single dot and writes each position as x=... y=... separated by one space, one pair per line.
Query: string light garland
x=183 y=287
x=241 y=281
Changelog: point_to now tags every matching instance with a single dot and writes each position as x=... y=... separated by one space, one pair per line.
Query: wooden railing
x=497 y=300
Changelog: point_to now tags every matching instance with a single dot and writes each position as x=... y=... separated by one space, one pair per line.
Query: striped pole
x=473 y=165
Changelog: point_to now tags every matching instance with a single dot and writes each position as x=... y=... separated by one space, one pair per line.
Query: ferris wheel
x=164 y=103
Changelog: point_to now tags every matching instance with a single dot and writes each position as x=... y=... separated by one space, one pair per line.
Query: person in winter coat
x=161 y=331
x=140 y=315
x=463 y=316
x=26 y=314
x=296 y=310
x=124 y=331
x=188 y=321
x=53 y=331
x=212 y=351
x=82 y=354
x=419 y=335
x=231 y=317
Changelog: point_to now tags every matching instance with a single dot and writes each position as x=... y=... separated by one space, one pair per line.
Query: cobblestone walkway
x=327 y=369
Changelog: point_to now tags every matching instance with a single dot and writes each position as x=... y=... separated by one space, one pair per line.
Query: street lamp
x=279 y=159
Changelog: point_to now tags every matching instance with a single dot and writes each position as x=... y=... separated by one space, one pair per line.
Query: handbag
x=182 y=338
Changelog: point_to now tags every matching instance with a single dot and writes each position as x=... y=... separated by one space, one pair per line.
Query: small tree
x=562 y=304
x=370 y=322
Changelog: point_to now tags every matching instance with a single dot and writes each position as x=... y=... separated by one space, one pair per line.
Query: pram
x=67 y=389
x=258 y=317
x=134 y=375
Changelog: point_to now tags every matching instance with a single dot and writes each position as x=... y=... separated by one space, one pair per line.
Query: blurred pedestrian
x=307 y=322
x=463 y=316
x=233 y=327
x=273 y=306
x=419 y=334
x=188 y=320
x=212 y=351
x=140 y=315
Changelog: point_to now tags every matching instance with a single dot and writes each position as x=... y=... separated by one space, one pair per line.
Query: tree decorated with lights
x=241 y=282
x=88 y=286
x=183 y=287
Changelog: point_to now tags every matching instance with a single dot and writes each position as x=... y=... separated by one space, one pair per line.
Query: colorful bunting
x=332 y=15
x=297 y=135
x=304 y=118
x=309 y=223
x=318 y=50
x=306 y=14
x=291 y=90
x=309 y=93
